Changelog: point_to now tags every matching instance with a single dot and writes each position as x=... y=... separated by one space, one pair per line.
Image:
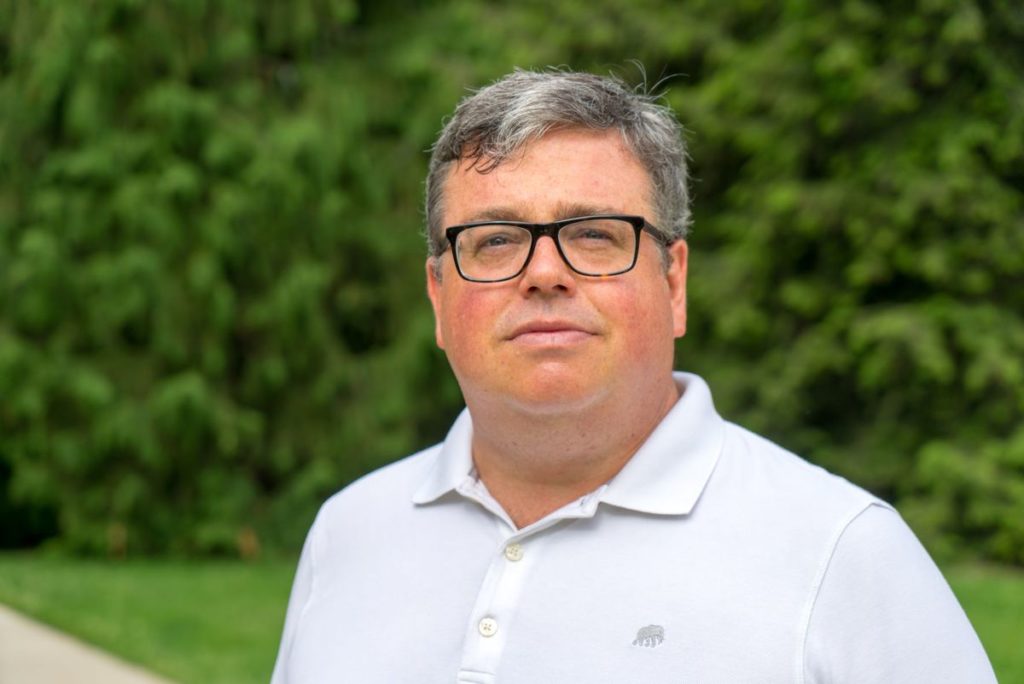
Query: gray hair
x=497 y=121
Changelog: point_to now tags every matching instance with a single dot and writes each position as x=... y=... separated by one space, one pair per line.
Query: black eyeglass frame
x=551 y=230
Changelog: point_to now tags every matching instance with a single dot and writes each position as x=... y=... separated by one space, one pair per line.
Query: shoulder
x=883 y=612
x=876 y=608
x=763 y=474
x=771 y=499
x=380 y=494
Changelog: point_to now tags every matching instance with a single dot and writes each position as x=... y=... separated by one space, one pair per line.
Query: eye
x=489 y=240
x=494 y=241
x=592 y=233
x=598 y=234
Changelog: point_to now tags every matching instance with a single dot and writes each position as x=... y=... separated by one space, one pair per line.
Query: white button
x=488 y=627
x=514 y=552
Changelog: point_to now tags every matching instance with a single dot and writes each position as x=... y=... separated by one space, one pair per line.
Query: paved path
x=32 y=653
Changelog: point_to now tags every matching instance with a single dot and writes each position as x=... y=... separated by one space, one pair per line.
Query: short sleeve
x=884 y=613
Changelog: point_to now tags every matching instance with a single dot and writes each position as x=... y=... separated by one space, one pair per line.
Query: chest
x=615 y=601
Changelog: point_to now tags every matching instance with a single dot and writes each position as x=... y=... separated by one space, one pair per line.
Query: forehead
x=566 y=172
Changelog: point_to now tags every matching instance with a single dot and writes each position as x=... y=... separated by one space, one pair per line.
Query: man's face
x=552 y=340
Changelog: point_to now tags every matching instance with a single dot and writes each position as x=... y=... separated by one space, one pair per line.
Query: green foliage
x=858 y=275
x=204 y=283
x=211 y=308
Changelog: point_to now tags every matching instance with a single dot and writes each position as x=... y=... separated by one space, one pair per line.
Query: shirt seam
x=816 y=585
x=313 y=552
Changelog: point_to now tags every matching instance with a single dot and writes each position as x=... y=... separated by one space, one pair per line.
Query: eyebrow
x=563 y=210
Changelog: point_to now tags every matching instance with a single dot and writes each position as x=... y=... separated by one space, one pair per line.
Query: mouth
x=550 y=333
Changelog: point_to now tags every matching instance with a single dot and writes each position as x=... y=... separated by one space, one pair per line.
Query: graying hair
x=495 y=122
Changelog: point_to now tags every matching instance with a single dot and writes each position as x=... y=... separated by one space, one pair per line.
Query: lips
x=550 y=332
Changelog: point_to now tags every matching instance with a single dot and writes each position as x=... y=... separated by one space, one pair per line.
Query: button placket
x=493 y=616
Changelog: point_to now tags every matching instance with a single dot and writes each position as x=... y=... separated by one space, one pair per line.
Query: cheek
x=645 y=323
x=467 y=321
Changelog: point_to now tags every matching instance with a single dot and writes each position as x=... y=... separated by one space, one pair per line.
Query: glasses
x=493 y=251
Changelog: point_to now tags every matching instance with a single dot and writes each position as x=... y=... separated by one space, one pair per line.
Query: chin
x=556 y=393
x=540 y=388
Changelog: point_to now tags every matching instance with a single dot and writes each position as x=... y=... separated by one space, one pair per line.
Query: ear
x=434 y=285
x=678 y=252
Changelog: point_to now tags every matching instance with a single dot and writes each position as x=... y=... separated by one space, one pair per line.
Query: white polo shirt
x=713 y=556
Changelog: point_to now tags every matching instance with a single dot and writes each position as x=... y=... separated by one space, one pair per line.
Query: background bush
x=211 y=282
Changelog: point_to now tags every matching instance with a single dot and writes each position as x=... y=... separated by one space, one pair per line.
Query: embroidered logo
x=650 y=636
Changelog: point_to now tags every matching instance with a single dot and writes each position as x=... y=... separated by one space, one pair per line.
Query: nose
x=547 y=272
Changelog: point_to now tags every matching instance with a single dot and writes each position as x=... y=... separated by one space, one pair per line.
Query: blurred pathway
x=32 y=653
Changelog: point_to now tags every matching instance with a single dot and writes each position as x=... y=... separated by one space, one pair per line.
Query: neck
x=535 y=464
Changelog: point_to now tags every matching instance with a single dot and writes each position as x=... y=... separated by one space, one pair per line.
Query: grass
x=221 y=621
x=190 y=621
x=993 y=598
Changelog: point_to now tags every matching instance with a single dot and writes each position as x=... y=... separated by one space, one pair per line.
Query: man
x=590 y=518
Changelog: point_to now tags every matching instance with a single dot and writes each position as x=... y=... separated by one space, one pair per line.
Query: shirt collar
x=665 y=476
x=669 y=471
x=452 y=465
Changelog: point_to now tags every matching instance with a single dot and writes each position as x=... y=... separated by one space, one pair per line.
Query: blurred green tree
x=211 y=299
